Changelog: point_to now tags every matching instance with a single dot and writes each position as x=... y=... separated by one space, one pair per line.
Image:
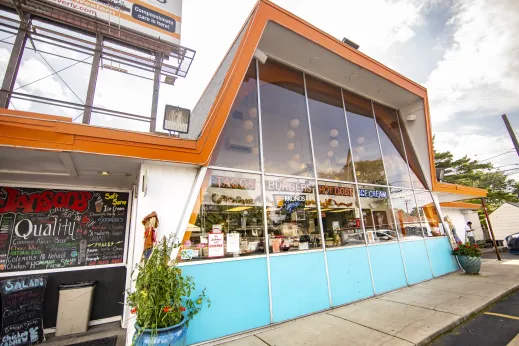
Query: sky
x=465 y=52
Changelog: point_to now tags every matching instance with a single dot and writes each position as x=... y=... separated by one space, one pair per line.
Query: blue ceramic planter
x=170 y=336
x=471 y=265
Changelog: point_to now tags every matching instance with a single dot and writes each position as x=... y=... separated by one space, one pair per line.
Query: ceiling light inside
x=104 y=173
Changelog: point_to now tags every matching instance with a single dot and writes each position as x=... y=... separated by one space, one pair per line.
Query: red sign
x=15 y=200
x=335 y=190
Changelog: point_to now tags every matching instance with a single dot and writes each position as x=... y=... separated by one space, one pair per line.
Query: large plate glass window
x=340 y=213
x=286 y=137
x=291 y=215
x=429 y=214
x=406 y=214
x=377 y=214
x=227 y=220
x=333 y=157
x=392 y=146
x=364 y=140
x=238 y=146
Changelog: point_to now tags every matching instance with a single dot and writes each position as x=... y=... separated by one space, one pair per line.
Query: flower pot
x=170 y=336
x=471 y=265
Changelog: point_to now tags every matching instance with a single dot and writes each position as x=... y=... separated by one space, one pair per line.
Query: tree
x=469 y=172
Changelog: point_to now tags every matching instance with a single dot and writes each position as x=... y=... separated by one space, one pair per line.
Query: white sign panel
x=157 y=18
x=215 y=245
x=233 y=242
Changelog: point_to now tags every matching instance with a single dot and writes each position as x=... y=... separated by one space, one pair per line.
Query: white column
x=167 y=189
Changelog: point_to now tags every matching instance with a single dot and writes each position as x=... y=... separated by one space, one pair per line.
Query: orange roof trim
x=460 y=205
x=58 y=133
x=460 y=190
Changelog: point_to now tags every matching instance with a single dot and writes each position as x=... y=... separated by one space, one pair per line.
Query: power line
x=493 y=157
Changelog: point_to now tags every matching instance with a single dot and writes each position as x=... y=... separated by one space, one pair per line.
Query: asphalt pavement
x=497 y=325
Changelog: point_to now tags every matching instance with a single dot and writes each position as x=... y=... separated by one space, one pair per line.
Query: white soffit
x=294 y=50
x=29 y=166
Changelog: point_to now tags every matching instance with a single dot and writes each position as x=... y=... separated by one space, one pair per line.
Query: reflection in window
x=406 y=214
x=392 y=146
x=291 y=215
x=340 y=214
x=238 y=145
x=364 y=141
x=429 y=214
x=331 y=147
x=227 y=220
x=377 y=214
x=286 y=139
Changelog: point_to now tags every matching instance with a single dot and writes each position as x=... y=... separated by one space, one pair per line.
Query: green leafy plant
x=162 y=295
x=467 y=250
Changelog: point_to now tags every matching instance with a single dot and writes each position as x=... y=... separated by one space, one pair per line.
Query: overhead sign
x=366 y=193
x=157 y=18
x=51 y=229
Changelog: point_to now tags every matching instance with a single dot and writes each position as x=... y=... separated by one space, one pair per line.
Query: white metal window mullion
x=357 y=193
x=262 y=167
x=389 y=192
x=316 y=192
x=422 y=223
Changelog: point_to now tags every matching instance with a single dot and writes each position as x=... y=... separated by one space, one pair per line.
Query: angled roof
x=209 y=116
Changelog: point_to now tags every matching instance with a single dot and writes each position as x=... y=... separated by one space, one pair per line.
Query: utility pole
x=512 y=133
x=490 y=229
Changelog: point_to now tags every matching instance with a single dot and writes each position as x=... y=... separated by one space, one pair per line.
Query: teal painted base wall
x=239 y=296
x=441 y=259
x=387 y=267
x=416 y=261
x=299 y=285
x=350 y=278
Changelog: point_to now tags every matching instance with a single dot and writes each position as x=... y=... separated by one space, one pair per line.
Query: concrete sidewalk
x=410 y=316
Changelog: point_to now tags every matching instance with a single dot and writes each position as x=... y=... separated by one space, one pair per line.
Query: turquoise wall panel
x=299 y=285
x=350 y=277
x=239 y=296
x=416 y=261
x=387 y=267
x=442 y=261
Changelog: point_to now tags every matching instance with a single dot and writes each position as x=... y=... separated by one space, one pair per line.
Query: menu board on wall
x=50 y=229
x=22 y=306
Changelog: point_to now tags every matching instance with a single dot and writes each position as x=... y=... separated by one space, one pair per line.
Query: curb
x=466 y=317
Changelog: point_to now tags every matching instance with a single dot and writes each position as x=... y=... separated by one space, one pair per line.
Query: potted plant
x=162 y=300
x=469 y=257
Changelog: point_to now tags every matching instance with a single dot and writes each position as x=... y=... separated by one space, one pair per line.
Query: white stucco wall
x=505 y=221
x=460 y=217
x=168 y=191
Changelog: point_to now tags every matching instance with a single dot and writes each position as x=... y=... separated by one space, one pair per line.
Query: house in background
x=505 y=220
x=461 y=213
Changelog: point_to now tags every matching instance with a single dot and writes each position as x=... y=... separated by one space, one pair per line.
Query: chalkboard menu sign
x=22 y=305
x=50 y=229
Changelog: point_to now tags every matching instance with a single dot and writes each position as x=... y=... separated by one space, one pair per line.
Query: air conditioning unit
x=238 y=144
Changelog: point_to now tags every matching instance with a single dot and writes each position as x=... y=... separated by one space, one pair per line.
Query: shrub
x=467 y=250
x=162 y=294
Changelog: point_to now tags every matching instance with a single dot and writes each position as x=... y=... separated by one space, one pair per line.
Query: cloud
x=479 y=73
x=374 y=24
x=478 y=146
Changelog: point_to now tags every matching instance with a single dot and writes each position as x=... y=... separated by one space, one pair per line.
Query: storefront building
x=306 y=180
